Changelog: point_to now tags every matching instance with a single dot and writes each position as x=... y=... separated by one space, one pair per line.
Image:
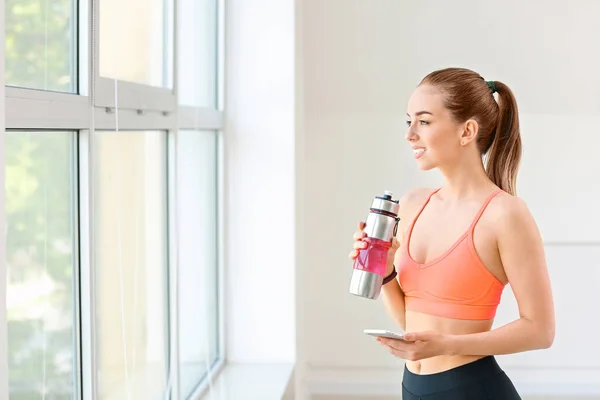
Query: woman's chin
x=424 y=165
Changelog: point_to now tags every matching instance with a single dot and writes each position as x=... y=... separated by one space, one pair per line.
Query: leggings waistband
x=422 y=385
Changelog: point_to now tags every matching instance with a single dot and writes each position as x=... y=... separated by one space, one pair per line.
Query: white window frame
x=3 y=316
x=36 y=109
x=140 y=107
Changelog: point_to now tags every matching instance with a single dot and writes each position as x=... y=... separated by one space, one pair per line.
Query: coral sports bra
x=454 y=285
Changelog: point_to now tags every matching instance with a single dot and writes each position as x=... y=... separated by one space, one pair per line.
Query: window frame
x=3 y=280
x=140 y=107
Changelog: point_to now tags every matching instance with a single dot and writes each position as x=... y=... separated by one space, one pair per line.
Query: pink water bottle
x=371 y=264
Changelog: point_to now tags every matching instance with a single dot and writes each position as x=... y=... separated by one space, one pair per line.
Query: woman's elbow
x=548 y=338
x=546 y=335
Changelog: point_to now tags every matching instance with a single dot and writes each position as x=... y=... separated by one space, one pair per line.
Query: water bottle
x=371 y=263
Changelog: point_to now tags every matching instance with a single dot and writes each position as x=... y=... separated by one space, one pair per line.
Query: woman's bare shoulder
x=506 y=205
x=509 y=214
x=410 y=202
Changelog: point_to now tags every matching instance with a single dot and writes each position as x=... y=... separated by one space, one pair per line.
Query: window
x=130 y=253
x=198 y=295
x=40 y=44
x=198 y=43
x=40 y=243
x=112 y=202
x=135 y=41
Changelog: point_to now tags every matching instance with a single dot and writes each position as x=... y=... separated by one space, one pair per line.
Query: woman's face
x=432 y=133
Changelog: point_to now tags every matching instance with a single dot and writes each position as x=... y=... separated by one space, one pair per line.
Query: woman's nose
x=410 y=135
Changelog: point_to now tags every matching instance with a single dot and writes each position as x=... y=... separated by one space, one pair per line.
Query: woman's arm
x=522 y=254
x=393 y=300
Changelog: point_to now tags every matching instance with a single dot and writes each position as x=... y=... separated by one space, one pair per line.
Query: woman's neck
x=466 y=179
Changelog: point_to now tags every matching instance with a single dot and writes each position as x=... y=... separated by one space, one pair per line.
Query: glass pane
x=130 y=241
x=197 y=67
x=40 y=260
x=40 y=44
x=197 y=235
x=136 y=41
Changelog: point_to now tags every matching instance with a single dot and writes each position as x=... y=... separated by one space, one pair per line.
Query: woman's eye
x=407 y=123
x=424 y=122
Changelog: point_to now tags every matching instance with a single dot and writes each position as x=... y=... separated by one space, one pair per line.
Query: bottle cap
x=386 y=203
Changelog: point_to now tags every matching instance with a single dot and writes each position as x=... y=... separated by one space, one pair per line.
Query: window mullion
x=86 y=268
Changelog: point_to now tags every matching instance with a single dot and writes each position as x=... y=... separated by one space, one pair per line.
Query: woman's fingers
x=359 y=235
x=397 y=344
x=399 y=348
x=359 y=244
x=400 y=354
x=394 y=350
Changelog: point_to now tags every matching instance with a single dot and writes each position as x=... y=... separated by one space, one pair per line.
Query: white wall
x=259 y=167
x=358 y=63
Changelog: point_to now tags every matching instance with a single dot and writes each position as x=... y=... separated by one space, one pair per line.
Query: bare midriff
x=419 y=322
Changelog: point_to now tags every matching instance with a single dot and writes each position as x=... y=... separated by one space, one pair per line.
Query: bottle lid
x=386 y=203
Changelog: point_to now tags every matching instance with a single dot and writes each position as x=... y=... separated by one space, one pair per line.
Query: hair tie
x=492 y=86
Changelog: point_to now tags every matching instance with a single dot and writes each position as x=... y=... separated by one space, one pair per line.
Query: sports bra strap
x=421 y=210
x=482 y=209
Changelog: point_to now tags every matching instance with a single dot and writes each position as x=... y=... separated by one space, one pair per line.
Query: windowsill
x=249 y=381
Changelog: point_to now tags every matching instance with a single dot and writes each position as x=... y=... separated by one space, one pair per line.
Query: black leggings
x=478 y=380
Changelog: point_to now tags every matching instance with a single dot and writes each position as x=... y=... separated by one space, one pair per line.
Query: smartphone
x=384 y=333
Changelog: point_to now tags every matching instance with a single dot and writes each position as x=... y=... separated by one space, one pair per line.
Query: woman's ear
x=469 y=132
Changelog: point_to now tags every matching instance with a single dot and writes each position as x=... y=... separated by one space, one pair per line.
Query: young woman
x=458 y=246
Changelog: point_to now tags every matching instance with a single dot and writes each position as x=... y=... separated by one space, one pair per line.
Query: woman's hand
x=418 y=345
x=360 y=243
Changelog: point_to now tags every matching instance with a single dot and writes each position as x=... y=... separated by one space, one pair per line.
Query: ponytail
x=504 y=155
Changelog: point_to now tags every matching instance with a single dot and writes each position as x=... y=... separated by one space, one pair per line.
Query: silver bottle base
x=365 y=284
